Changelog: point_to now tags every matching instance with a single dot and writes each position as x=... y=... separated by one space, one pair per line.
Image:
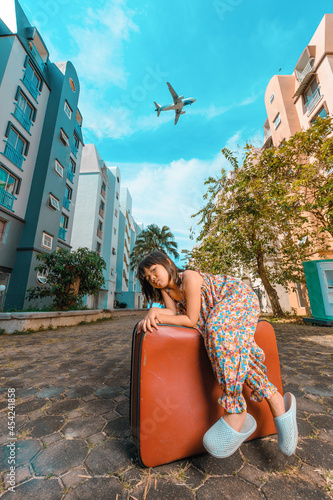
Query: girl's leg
x=235 y=420
x=276 y=404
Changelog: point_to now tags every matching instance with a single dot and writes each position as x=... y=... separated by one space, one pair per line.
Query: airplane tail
x=158 y=108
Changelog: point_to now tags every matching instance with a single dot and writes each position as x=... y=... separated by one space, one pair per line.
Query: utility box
x=319 y=281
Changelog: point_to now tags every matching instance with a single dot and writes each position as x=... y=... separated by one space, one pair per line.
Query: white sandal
x=286 y=426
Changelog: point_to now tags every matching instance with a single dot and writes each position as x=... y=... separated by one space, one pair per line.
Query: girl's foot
x=222 y=440
x=286 y=426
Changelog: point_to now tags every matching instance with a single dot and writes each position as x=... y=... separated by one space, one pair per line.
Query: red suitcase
x=174 y=392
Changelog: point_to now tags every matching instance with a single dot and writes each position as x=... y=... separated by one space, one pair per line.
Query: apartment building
x=293 y=102
x=96 y=220
x=40 y=125
x=128 y=289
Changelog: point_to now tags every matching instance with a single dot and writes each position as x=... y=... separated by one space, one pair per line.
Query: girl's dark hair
x=154 y=294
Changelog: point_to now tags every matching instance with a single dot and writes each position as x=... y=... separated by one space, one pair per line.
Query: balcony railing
x=99 y=233
x=62 y=233
x=66 y=203
x=6 y=199
x=22 y=118
x=13 y=155
x=74 y=150
x=31 y=87
x=310 y=104
x=302 y=74
x=103 y=193
x=70 y=176
x=101 y=212
x=36 y=55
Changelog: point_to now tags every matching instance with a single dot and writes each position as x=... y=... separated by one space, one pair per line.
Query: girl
x=225 y=311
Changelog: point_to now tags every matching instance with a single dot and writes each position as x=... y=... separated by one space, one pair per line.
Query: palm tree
x=150 y=239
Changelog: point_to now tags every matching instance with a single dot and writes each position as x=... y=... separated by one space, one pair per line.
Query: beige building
x=294 y=101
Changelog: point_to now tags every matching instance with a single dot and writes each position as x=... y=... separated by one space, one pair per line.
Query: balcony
x=31 y=87
x=101 y=212
x=66 y=203
x=6 y=199
x=99 y=233
x=312 y=101
x=74 y=150
x=300 y=75
x=103 y=193
x=22 y=118
x=13 y=155
x=70 y=176
x=62 y=233
x=36 y=55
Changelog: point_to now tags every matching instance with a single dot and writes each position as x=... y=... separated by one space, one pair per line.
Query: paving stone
x=158 y=489
x=306 y=472
x=36 y=489
x=75 y=477
x=97 y=438
x=266 y=456
x=132 y=477
x=108 y=392
x=324 y=422
x=24 y=451
x=52 y=438
x=108 y=458
x=50 y=392
x=253 y=475
x=64 y=406
x=227 y=488
x=110 y=416
x=30 y=406
x=305 y=428
x=79 y=391
x=307 y=405
x=326 y=436
x=99 y=488
x=193 y=477
x=98 y=407
x=123 y=408
x=59 y=457
x=214 y=466
x=43 y=426
x=317 y=453
x=318 y=391
x=118 y=428
x=21 y=474
x=83 y=427
x=291 y=488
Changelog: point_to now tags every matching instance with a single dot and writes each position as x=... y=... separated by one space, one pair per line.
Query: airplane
x=178 y=103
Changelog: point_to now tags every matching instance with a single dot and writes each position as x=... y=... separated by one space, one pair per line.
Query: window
x=7 y=181
x=271 y=99
x=17 y=141
x=59 y=168
x=312 y=95
x=322 y=113
x=42 y=277
x=47 y=241
x=113 y=251
x=118 y=180
x=114 y=230
x=100 y=225
x=3 y=227
x=103 y=186
x=98 y=247
x=72 y=84
x=68 y=110
x=102 y=205
x=76 y=141
x=53 y=202
x=64 y=221
x=277 y=121
x=117 y=196
x=32 y=81
x=25 y=112
x=116 y=212
x=300 y=295
x=73 y=165
x=64 y=137
x=68 y=192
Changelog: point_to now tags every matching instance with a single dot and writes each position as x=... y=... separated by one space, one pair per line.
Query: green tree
x=70 y=276
x=257 y=218
x=150 y=239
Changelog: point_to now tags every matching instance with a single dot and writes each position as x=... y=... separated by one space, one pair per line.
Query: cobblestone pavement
x=73 y=435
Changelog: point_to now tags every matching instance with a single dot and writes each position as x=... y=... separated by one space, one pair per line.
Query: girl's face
x=157 y=276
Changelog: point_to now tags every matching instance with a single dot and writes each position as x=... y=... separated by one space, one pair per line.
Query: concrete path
x=73 y=436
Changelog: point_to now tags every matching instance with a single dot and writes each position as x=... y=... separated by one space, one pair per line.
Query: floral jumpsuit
x=228 y=319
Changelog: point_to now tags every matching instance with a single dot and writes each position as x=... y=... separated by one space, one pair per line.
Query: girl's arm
x=151 y=319
x=192 y=282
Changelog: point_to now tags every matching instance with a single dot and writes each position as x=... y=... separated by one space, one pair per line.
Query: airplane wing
x=173 y=93
x=177 y=115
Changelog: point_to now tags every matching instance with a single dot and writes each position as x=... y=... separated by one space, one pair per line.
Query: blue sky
x=221 y=52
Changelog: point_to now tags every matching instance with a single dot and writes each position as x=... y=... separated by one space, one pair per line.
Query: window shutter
x=8 y=129
x=34 y=114
x=17 y=93
x=41 y=85
x=26 y=61
x=26 y=148
x=18 y=186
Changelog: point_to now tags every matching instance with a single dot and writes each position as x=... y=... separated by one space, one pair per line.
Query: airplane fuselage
x=179 y=106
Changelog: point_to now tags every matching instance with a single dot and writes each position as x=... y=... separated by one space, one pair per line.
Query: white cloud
x=212 y=111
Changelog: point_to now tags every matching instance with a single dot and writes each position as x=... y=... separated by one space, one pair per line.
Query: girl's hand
x=149 y=322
